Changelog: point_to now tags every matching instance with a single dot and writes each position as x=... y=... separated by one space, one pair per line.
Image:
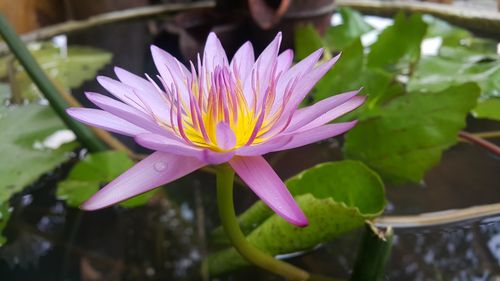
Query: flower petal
x=243 y=61
x=171 y=71
x=147 y=92
x=263 y=148
x=308 y=81
x=225 y=136
x=121 y=92
x=105 y=120
x=285 y=60
x=262 y=179
x=213 y=54
x=316 y=134
x=336 y=112
x=125 y=112
x=305 y=115
x=162 y=143
x=157 y=169
x=165 y=144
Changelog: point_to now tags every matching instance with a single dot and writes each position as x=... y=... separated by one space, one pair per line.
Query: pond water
x=168 y=238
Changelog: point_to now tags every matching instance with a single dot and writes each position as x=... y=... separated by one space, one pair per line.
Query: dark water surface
x=167 y=239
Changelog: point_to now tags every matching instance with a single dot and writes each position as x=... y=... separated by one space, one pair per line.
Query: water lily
x=217 y=111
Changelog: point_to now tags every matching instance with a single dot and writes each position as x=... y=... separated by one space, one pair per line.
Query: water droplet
x=160 y=166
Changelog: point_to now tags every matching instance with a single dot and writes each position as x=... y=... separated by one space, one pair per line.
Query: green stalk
x=373 y=254
x=225 y=177
x=48 y=89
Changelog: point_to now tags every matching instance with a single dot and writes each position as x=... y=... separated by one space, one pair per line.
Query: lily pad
x=336 y=197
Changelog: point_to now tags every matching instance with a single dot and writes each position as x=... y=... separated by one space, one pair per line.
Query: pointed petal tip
x=299 y=222
x=88 y=206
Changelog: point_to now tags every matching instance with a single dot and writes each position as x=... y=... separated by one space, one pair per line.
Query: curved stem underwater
x=225 y=176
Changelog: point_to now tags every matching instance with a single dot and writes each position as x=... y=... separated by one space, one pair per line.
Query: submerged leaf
x=4 y=218
x=70 y=68
x=24 y=138
x=336 y=197
x=405 y=138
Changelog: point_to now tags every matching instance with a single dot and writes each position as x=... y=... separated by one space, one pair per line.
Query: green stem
x=225 y=177
x=373 y=254
x=48 y=89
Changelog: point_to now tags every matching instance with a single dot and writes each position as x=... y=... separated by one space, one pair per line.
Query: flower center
x=220 y=97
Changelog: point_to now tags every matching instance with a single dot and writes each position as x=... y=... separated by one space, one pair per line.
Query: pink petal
x=157 y=169
x=262 y=179
x=263 y=70
x=214 y=54
x=105 y=120
x=243 y=61
x=225 y=136
x=263 y=148
x=298 y=70
x=308 y=81
x=285 y=60
x=316 y=134
x=146 y=92
x=162 y=143
x=121 y=92
x=125 y=112
x=336 y=112
x=305 y=115
x=215 y=158
x=171 y=70
x=172 y=146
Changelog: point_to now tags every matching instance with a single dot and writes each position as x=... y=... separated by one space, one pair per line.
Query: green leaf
x=404 y=138
x=336 y=197
x=94 y=171
x=488 y=109
x=101 y=167
x=307 y=40
x=24 y=149
x=398 y=46
x=350 y=64
x=353 y=26
x=70 y=70
x=452 y=35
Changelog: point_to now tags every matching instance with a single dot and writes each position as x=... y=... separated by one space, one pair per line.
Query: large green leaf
x=488 y=109
x=352 y=27
x=95 y=170
x=69 y=68
x=404 y=138
x=25 y=152
x=336 y=197
x=398 y=46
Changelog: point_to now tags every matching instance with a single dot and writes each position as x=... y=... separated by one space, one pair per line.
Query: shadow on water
x=165 y=239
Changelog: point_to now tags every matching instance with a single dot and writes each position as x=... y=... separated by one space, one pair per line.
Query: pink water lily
x=217 y=111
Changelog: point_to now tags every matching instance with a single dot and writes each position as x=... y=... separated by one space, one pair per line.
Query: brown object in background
x=441 y=1
x=27 y=15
